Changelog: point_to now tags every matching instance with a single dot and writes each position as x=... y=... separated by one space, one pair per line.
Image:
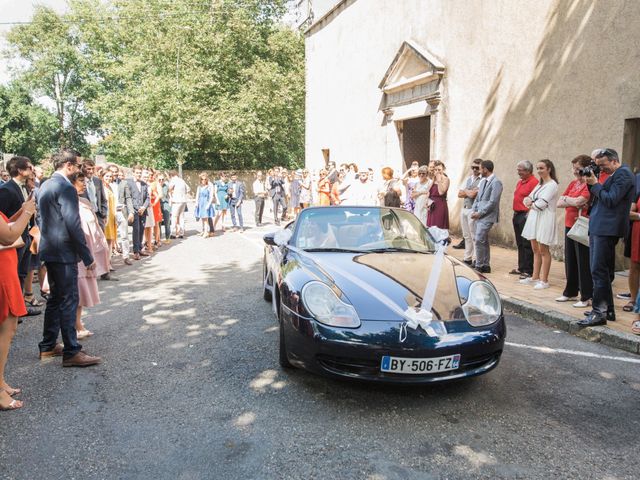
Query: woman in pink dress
x=97 y=243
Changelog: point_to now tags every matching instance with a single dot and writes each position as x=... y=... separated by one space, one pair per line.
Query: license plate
x=419 y=365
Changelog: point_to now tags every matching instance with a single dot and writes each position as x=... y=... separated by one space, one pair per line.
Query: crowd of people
x=421 y=190
x=601 y=205
x=63 y=231
x=602 y=190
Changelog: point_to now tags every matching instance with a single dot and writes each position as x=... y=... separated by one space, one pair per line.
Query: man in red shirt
x=524 y=187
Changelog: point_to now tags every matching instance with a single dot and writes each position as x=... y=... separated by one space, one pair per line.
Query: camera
x=587 y=171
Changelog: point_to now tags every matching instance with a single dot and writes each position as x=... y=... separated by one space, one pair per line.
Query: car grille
x=371 y=367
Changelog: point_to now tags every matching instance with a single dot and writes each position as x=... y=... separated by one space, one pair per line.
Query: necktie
x=484 y=186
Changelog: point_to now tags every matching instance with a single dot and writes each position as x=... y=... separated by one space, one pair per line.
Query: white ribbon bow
x=422 y=316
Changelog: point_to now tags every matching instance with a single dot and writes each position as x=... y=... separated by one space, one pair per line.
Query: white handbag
x=580 y=230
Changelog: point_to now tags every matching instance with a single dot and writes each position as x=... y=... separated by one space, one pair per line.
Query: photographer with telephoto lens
x=609 y=221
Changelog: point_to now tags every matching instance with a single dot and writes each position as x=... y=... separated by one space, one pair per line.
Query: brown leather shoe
x=56 y=352
x=144 y=253
x=136 y=256
x=128 y=262
x=81 y=359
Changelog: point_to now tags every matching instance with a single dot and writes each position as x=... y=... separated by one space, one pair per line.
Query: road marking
x=250 y=239
x=573 y=352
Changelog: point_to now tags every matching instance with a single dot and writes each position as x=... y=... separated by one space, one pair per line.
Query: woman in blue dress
x=205 y=199
x=222 y=188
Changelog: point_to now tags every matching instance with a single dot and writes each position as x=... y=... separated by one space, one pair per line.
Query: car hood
x=382 y=285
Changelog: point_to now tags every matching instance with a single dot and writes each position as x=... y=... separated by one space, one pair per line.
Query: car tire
x=266 y=293
x=283 y=358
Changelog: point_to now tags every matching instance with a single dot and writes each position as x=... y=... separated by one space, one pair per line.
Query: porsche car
x=346 y=283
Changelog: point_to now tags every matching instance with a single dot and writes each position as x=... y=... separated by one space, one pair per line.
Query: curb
x=560 y=321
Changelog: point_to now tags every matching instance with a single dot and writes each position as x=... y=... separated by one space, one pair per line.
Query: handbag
x=580 y=230
x=35 y=234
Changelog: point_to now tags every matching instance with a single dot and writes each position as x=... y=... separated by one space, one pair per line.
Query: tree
x=26 y=128
x=56 y=68
x=220 y=82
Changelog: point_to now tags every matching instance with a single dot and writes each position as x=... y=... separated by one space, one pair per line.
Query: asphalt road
x=190 y=388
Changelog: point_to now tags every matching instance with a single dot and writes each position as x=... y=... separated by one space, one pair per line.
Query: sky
x=19 y=11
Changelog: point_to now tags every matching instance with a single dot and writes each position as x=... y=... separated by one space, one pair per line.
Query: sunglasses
x=475 y=168
x=605 y=152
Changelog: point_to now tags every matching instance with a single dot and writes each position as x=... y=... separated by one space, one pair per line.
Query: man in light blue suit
x=237 y=192
x=486 y=212
x=62 y=246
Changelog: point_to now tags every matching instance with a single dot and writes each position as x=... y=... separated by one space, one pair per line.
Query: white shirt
x=259 y=189
x=116 y=192
x=363 y=194
x=178 y=188
x=23 y=188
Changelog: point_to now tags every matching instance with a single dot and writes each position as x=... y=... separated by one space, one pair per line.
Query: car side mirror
x=269 y=239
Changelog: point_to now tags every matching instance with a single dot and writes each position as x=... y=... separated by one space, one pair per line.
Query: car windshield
x=360 y=229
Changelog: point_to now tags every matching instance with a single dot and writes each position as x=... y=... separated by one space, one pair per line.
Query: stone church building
x=393 y=81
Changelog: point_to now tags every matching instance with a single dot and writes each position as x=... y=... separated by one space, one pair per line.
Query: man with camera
x=608 y=222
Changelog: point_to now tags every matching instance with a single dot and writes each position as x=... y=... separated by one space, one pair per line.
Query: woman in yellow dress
x=110 y=228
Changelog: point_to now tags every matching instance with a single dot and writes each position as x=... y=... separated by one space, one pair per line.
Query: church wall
x=524 y=80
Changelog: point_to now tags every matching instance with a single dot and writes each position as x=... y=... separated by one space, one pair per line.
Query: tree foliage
x=26 y=128
x=57 y=69
x=218 y=83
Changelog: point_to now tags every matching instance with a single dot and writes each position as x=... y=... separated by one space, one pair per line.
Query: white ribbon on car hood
x=422 y=316
x=414 y=316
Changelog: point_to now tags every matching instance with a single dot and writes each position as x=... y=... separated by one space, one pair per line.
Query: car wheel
x=266 y=293
x=283 y=359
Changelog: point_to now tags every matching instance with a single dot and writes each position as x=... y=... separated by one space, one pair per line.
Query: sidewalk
x=540 y=305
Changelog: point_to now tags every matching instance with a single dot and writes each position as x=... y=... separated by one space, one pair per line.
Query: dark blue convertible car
x=344 y=282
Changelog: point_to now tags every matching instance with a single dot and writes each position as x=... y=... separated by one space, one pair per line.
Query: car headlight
x=483 y=306
x=325 y=306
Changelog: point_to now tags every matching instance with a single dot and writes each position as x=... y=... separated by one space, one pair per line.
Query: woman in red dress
x=11 y=301
x=155 y=191
x=439 y=212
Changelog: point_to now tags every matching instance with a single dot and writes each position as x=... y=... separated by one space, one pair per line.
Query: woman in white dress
x=540 y=227
x=420 y=194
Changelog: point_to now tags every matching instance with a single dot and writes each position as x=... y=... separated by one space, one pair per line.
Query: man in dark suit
x=608 y=222
x=237 y=192
x=62 y=245
x=95 y=192
x=12 y=195
x=136 y=203
x=277 y=194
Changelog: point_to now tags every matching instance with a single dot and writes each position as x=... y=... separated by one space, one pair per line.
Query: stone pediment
x=412 y=66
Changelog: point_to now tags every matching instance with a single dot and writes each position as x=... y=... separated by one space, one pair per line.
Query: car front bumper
x=357 y=353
